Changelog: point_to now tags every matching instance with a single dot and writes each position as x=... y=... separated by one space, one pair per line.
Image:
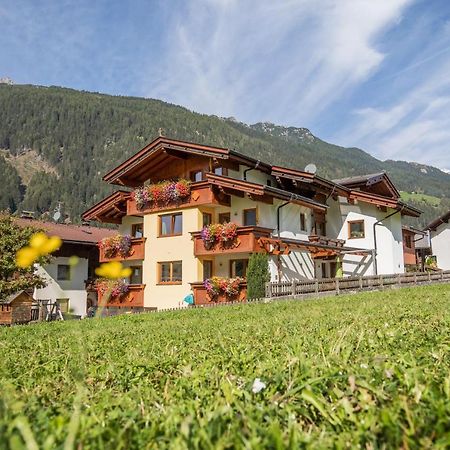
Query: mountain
x=56 y=143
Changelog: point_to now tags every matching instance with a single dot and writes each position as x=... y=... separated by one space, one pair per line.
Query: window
x=220 y=171
x=356 y=229
x=238 y=268
x=408 y=241
x=224 y=217
x=171 y=225
x=63 y=272
x=137 y=230
x=207 y=219
x=196 y=175
x=63 y=304
x=207 y=269
x=136 y=275
x=302 y=222
x=170 y=272
x=250 y=217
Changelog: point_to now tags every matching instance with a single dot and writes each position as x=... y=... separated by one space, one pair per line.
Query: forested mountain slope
x=78 y=136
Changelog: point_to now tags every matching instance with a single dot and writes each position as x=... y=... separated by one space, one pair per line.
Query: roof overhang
x=433 y=226
x=309 y=178
x=132 y=172
x=379 y=200
x=364 y=182
x=109 y=210
x=260 y=190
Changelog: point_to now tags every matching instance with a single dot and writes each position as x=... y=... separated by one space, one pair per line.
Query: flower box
x=202 y=297
x=129 y=249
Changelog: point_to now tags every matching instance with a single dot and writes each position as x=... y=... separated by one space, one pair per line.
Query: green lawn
x=369 y=371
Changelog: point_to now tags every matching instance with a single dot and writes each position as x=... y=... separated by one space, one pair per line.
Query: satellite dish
x=56 y=216
x=311 y=168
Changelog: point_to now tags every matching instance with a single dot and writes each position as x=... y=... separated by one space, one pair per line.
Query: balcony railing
x=201 y=296
x=202 y=193
x=137 y=251
x=133 y=298
x=246 y=241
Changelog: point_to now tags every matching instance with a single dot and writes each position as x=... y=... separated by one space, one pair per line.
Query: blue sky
x=374 y=74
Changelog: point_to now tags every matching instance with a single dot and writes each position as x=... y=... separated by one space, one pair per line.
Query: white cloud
x=284 y=61
x=415 y=127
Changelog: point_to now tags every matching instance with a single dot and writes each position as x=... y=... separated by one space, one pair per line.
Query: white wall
x=389 y=237
x=440 y=245
x=73 y=289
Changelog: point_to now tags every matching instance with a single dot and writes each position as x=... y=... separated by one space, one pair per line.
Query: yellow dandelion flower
x=113 y=270
x=40 y=245
x=38 y=240
x=26 y=256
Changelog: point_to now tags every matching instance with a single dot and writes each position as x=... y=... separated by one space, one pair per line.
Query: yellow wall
x=172 y=248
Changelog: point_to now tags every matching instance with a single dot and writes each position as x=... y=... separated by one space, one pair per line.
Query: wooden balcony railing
x=202 y=193
x=201 y=296
x=137 y=251
x=133 y=298
x=246 y=242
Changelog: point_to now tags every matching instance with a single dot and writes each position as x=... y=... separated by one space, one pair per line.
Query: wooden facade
x=16 y=309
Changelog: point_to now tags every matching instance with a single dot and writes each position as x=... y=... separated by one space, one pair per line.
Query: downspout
x=279 y=234
x=251 y=168
x=375 y=265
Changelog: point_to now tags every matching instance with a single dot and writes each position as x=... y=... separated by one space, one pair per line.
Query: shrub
x=257 y=275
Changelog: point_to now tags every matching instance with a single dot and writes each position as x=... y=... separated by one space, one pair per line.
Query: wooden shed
x=16 y=308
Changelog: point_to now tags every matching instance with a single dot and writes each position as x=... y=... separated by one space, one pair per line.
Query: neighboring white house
x=67 y=283
x=440 y=240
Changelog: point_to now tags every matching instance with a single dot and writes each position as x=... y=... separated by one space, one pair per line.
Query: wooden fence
x=337 y=285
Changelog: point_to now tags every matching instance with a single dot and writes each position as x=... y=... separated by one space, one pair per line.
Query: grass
x=365 y=371
x=429 y=199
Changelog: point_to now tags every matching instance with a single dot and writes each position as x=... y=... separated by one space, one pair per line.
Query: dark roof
x=81 y=234
x=439 y=221
x=358 y=178
x=413 y=230
x=10 y=298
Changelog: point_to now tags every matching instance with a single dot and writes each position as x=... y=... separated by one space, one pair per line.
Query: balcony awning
x=318 y=249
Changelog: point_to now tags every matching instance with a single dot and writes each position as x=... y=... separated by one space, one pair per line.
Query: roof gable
x=375 y=183
x=162 y=152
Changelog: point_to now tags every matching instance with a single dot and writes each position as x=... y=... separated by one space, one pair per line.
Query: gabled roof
x=10 y=298
x=308 y=178
x=79 y=234
x=371 y=182
x=439 y=221
x=134 y=170
x=261 y=190
x=110 y=210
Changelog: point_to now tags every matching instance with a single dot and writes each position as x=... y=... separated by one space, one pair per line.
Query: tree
x=257 y=275
x=12 y=238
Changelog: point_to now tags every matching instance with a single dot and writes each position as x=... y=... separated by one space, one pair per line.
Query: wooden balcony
x=202 y=193
x=246 y=242
x=201 y=296
x=133 y=298
x=137 y=251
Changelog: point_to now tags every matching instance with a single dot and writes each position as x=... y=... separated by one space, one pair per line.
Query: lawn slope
x=369 y=371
